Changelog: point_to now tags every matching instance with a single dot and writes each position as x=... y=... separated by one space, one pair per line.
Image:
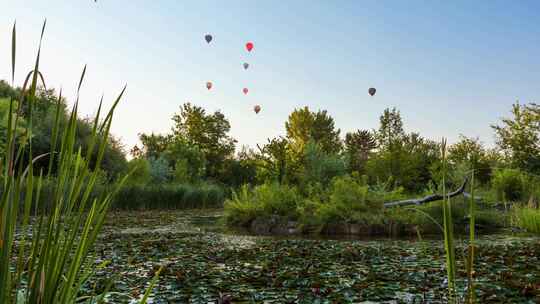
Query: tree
x=391 y=128
x=303 y=126
x=207 y=131
x=187 y=160
x=519 y=137
x=319 y=167
x=404 y=159
x=358 y=146
x=153 y=144
x=471 y=154
x=275 y=157
x=140 y=171
x=242 y=169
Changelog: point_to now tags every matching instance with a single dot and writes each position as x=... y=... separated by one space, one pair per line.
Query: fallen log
x=429 y=198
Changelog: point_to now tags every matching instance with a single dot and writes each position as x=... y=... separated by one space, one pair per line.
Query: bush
x=240 y=210
x=516 y=186
x=264 y=200
x=349 y=201
x=508 y=185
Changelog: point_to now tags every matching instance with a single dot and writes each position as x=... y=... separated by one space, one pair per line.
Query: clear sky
x=451 y=67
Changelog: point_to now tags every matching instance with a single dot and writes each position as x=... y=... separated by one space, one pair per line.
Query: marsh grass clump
x=169 y=196
x=527 y=218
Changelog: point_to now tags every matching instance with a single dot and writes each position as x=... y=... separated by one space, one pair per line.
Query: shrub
x=509 y=185
x=264 y=200
x=349 y=201
x=240 y=210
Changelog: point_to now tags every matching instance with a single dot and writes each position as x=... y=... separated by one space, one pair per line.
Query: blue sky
x=450 y=67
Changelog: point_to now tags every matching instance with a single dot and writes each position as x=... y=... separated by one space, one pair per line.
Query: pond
x=205 y=263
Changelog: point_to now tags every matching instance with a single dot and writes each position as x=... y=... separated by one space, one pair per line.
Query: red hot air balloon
x=208 y=38
x=208 y=85
x=257 y=109
x=245 y=90
x=249 y=46
x=246 y=65
x=372 y=91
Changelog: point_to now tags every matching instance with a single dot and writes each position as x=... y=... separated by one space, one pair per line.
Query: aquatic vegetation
x=200 y=263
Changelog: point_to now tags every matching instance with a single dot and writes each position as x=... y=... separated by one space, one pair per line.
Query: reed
x=471 y=295
x=43 y=258
x=448 y=231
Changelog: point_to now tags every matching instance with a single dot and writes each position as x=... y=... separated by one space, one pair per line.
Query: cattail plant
x=448 y=231
x=45 y=259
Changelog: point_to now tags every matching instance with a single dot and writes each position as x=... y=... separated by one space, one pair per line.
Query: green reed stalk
x=48 y=265
x=470 y=257
x=448 y=230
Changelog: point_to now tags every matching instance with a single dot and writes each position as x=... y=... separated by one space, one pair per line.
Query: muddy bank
x=276 y=225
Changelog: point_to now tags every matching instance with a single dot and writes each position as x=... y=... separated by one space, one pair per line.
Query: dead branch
x=429 y=198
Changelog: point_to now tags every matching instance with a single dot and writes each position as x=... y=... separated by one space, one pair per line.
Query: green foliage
x=241 y=208
x=160 y=172
x=359 y=146
x=320 y=167
x=349 y=201
x=264 y=200
x=408 y=161
x=188 y=161
x=304 y=126
x=169 y=196
x=276 y=159
x=153 y=145
x=528 y=218
x=209 y=132
x=140 y=171
x=519 y=137
x=49 y=107
x=241 y=170
x=510 y=185
x=469 y=154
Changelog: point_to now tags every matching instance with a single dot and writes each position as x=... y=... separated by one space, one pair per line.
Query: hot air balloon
x=245 y=90
x=372 y=91
x=208 y=38
x=257 y=109
x=246 y=65
x=249 y=46
x=208 y=85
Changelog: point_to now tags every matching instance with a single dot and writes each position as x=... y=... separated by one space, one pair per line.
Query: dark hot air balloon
x=257 y=109
x=208 y=85
x=208 y=38
x=372 y=91
x=246 y=65
x=245 y=90
x=249 y=46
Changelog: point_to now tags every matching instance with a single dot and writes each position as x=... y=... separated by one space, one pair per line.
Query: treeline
x=199 y=151
x=314 y=151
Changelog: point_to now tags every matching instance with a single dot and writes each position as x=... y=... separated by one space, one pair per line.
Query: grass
x=46 y=264
x=527 y=218
x=181 y=196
